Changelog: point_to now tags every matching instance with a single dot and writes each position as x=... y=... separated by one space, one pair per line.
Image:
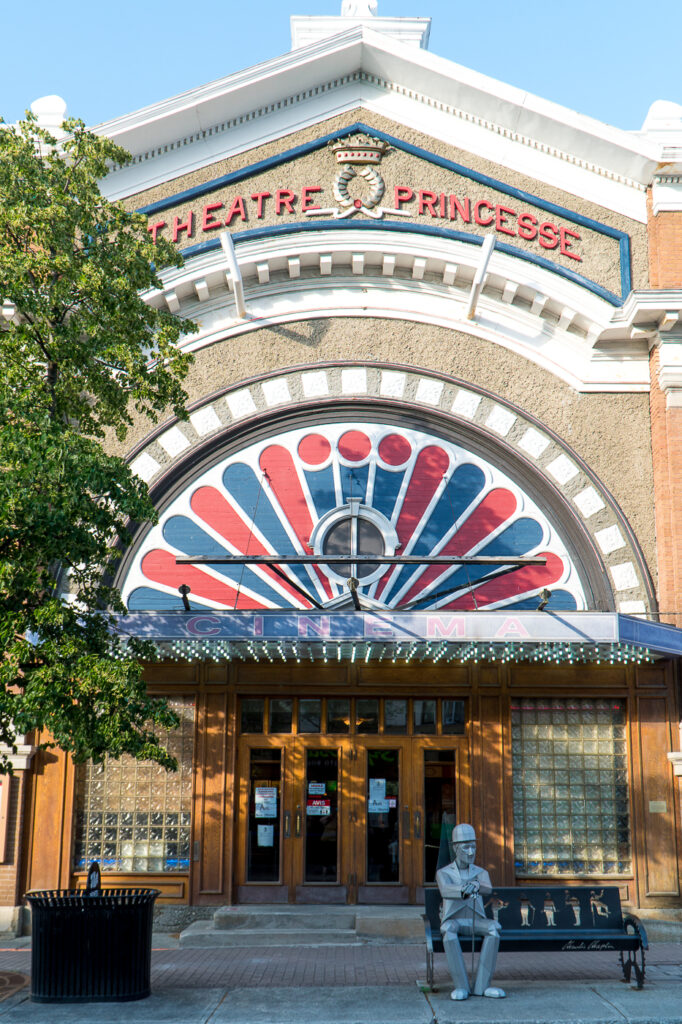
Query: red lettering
x=402 y=194
x=565 y=250
x=549 y=236
x=187 y=225
x=307 y=201
x=457 y=208
x=442 y=204
x=427 y=200
x=208 y=221
x=501 y=213
x=236 y=208
x=154 y=229
x=481 y=204
x=259 y=198
x=284 y=197
x=528 y=226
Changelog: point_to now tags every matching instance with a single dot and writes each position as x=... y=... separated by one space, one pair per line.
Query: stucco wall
x=600 y=254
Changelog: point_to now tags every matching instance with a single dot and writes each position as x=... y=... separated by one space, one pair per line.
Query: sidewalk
x=368 y=984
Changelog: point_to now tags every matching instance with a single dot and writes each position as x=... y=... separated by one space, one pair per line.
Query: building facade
x=423 y=507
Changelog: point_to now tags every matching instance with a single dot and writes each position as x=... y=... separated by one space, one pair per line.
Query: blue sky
x=609 y=59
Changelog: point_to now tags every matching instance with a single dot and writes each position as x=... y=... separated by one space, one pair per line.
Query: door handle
x=298 y=821
x=406 y=822
x=417 y=824
x=287 y=824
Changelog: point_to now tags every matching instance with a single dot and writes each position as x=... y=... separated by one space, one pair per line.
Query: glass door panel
x=264 y=815
x=321 y=815
x=439 y=805
x=383 y=809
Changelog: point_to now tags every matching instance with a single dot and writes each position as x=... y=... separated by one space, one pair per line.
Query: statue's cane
x=473 y=935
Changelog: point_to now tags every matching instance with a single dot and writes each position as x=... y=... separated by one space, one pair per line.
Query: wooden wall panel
x=208 y=849
x=50 y=817
x=488 y=793
x=657 y=811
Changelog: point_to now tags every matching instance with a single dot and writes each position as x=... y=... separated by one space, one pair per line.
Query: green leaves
x=74 y=364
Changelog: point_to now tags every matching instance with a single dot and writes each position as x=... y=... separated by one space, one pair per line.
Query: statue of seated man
x=461 y=885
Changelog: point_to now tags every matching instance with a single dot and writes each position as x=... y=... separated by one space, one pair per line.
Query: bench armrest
x=632 y=923
x=428 y=932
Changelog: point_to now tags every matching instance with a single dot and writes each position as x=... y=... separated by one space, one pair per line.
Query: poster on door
x=266 y=835
x=318 y=806
x=266 y=802
x=378 y=804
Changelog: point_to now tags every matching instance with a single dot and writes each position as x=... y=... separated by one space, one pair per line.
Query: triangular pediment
x=359 y=67
x=359 y=176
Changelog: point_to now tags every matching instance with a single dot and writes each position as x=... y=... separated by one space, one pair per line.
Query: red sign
x=421 y=203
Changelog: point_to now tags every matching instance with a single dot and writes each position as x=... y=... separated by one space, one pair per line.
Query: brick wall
x=665 y=271
x=665 y=248
x=9 y=870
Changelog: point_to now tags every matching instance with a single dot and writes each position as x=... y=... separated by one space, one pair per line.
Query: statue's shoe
x=459 y=993
x=495 y=993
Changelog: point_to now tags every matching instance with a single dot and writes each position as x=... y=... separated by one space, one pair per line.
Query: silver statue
x=461 y=884
x=359 y=8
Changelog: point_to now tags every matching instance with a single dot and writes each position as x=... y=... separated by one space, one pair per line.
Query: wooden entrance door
x=294 y=834
x=352 y=819
x=406 y=788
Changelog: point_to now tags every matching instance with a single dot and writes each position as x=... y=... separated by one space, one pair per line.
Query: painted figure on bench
x=526 y=908
x=461 y=885
x=496 y=905
x=597 y=905
x=574 y=903
x=549 y=910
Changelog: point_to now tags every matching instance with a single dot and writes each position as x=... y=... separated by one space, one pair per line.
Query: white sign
x=266 y=802
x=377 y=789
x=377 y=804
x=317 y=788
x=266 y=835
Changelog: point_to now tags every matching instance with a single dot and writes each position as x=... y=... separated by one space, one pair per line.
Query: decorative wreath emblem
x=359 y=157
x=373 y=178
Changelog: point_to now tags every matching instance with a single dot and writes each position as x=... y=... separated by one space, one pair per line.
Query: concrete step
x=663 y=931
x=395 y=924
x=203 y=934
x=271 y=918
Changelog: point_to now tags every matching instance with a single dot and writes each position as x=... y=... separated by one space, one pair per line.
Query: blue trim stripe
x=310 y=147
x=417 y=229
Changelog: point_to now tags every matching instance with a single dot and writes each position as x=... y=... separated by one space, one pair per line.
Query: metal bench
x=575 y=919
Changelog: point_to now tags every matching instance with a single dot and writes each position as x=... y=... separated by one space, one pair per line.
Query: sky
x=609 y=59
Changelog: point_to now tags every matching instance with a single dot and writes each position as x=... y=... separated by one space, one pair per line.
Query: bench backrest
x=543 y=908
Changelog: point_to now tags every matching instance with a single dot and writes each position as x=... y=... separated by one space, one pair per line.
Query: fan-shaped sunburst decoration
x=384 y=489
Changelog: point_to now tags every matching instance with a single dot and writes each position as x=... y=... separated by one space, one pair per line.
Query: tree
x=80 y=354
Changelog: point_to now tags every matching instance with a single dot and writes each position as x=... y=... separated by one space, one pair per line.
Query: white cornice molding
x=666 y=190
x=203 y=125
x=19 y=756
x=675 y=758
x=554 y=322
x=408 y=31
x=654 y=315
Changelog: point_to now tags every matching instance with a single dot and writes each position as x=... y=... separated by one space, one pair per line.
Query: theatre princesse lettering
x=418 y=553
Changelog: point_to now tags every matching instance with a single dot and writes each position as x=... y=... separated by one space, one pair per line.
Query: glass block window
x=133 y=815
x=571 y=808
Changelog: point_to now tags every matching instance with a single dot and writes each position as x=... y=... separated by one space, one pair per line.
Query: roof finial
x=358 y=8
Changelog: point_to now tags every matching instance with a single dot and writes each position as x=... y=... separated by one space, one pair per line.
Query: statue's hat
x=463 y=834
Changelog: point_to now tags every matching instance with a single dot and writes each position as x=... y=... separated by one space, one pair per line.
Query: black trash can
x=91 y=947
